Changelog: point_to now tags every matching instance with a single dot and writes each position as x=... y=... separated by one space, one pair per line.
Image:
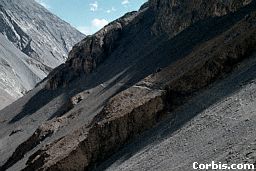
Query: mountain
x=157 y=89
x=17 y=76
x=40 y=42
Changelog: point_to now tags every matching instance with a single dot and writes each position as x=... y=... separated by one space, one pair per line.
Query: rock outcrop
x=90 y=52
x=173 y=16
x=145 y=68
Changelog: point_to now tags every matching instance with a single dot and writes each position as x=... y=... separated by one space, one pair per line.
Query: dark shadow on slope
x=169 y=51
x=136 y=63
x=61 y=111
x=39 y=100
x=164 y=54
x=178 y=118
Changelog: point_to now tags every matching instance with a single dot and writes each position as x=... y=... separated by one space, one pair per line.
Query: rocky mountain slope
x=40 y=42
x=17 y=76
x=175 y=80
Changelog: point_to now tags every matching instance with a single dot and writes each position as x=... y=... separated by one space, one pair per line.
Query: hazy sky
x=89 y=16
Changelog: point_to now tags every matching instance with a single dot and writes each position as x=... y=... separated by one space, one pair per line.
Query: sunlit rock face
x=38 y=42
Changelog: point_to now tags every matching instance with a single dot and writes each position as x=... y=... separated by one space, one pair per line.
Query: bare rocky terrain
x=157 y=89
x=33 y=42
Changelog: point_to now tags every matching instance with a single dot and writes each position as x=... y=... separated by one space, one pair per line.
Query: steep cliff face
x=149 y=66
x=173 y=16
x=87 y=54
x=43 y=40
x=168 y=17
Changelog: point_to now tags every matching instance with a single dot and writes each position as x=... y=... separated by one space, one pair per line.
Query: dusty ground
x=216 y=125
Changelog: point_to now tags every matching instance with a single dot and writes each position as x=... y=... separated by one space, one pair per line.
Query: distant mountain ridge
x=43 y=39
